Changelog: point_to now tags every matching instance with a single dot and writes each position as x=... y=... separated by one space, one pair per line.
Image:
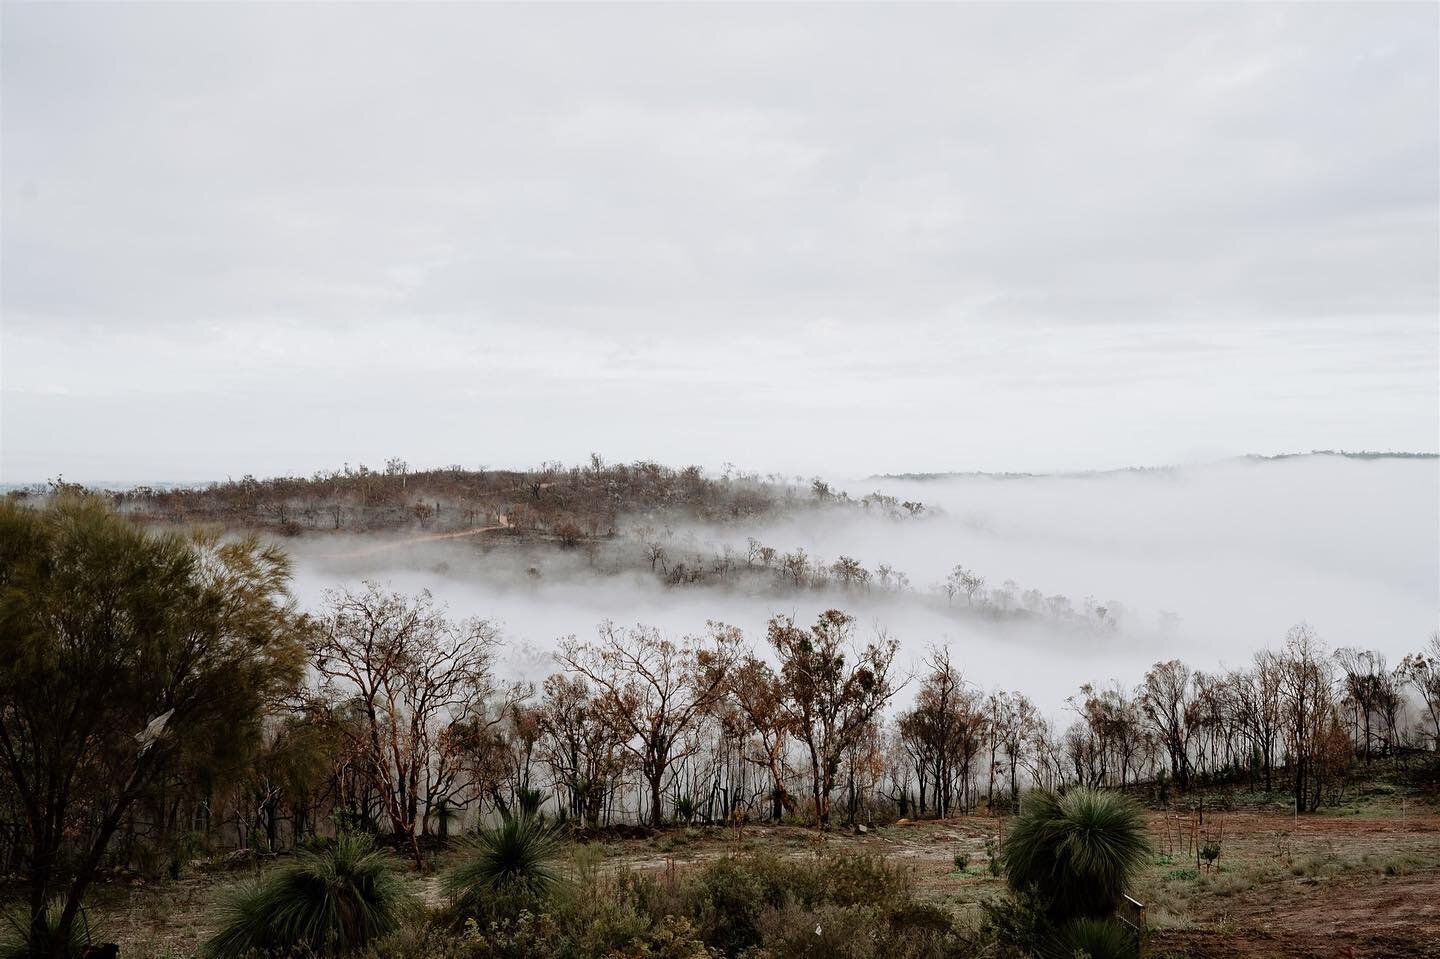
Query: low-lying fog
x=1235 y=552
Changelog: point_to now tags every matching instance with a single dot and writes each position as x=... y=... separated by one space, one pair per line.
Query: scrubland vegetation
x=166 y=709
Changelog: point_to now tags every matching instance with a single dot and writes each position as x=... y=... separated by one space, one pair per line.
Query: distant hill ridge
x=1080 y=474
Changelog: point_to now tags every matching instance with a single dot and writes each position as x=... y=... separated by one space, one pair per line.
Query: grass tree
x=21 y=937
x=507 y=867
x=327 y=903
x=1077 y=852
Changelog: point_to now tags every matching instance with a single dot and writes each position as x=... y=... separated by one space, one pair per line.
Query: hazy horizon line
x=116 y=485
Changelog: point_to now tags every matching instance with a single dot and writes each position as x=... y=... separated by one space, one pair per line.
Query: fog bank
x=1234 y=552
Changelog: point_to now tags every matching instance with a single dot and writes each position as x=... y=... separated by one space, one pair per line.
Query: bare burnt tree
x=580 y=745
x=757 y=694
x=415 y=679
x=654 y=690
x=1169 y=704
x=942 y=731
x=831 y=691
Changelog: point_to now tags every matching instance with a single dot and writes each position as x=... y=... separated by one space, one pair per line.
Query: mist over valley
x=1207 y=562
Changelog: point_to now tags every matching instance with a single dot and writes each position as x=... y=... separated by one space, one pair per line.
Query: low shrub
x=672 y=938
x=726 y=902
x=1017 y=925
x=1098 y=939
x=527 y=936
x=756 y=907
x=842 y=905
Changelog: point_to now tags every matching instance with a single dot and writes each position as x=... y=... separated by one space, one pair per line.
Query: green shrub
x=316 y=843
x=1018 y=922
x=421 y=940
x=832 y=931
x=19 y=941
x=825 y=931
x=672 y=938
x=1099 y=939
x=326 y=903
x=962 y=861
x=839 y=905
x=600 y=914
x=995 y=863
x=758 y=907
x=726 y=902
x=527 y=936
x=509 y=868
x=849 y=880
x=1077 y=851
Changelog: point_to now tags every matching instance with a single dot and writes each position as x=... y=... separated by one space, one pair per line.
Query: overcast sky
x=271 y=238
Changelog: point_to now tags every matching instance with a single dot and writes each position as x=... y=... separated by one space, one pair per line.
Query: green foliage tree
x=124 y=655
x=1076 y=852
x=321 y=903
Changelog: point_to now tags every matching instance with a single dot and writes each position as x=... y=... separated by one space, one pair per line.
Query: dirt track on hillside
x=377 y=548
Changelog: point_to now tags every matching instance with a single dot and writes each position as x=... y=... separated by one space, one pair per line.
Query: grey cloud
x=983 y=184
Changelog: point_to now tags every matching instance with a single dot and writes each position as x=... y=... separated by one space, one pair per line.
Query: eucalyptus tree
x=1422 y=671
x=654 y=691
x=580 y=745
x=422 y=688
x=831 y=692
x=756 y=693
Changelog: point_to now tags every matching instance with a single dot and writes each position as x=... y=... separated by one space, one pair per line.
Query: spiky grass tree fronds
x=1077 y=851
x=529 y=801
x=22 y=939
x=327 y=902
x=1097 y=939
x=508 y=867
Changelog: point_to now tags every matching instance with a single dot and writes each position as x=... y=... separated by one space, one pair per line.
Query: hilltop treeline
x=566 y=502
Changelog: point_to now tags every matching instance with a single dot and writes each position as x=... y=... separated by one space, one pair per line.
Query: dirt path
x=376 y=548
